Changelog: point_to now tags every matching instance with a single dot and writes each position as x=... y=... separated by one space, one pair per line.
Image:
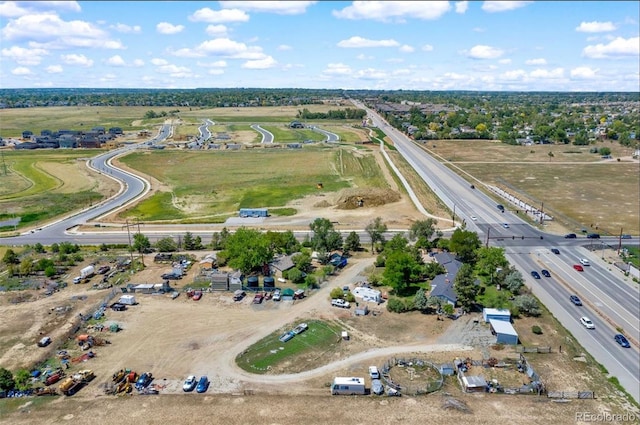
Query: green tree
x=302 y=261
x=396 y=243
x=188 y=242
x=22 y=379
x=464 y=243
x=39 y=248
x=605 y=151
x=166 y=245
x=514 y=281
x=352 y=242
x=295 y=275
x=10 y=257
x=336 y=293
x=465 y=287
x=401 y=270
x=422 y=231
x=489 y=259
x=527 y=305
x=55 y=247
x=26 y=266
x=50 y=271
x=283 y=242
x=376 y=230
x=6 y=379
x=325 y=238
x=248 y=250
x=141 y=243
x=420 y=300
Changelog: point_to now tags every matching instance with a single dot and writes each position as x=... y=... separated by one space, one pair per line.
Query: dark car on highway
x=575 y=300
x=622 y=340
x=545 y=273
x=593 y=236
x=570 y=236
x=555 y=251
x=535 y=274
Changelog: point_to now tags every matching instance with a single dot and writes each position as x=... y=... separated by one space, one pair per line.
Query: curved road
x=267 y=137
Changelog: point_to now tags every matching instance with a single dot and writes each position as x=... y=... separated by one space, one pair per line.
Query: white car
x=584 y=262
x=505 y=225
x=189 y=383
x=373 y=372
x=474 y=218
x=340 y=303
x=276 y=295
x=587 y=323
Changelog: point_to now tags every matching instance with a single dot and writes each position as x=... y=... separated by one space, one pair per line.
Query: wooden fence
x=522 y=349
x=583 y=395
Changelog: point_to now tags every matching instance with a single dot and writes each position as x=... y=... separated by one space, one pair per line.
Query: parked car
x=574 y=299
x=300 y=328
x=373 y=372
x=593 y=236
x=535 y=274
x=376 y=387
x=170 y=276
x=77 y=280
x=555 y=251
x=578 y=267
x=104 y=269
x=570 y=236
x=277 y=296
x=340 y=303
x=197 y=295
x=286 y=336
x=189 y=383
x=257 y=299
x=584 y=262
x=545 y=273
x=144 y=381
x=44 y=341
x=587 y=323
x=118 y=307
x=203 y=384
x=622 y=340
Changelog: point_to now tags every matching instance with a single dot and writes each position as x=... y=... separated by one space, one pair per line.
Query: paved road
x=331 y=137
x=267 y=137
x=612 y=300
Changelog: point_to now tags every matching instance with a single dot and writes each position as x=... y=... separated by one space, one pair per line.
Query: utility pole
x=486 y=245
x=130 y=246
x=142 y=253
x=541 y=212
x=620 y=241
x=453 y=217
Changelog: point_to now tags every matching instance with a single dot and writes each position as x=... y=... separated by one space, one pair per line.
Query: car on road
x=625 y=237
x=473 y=217
x=593 y=236
x=545 y=273
x=340 y=303
x=570 y=236
x=587 y=323
x=575 y=300
x=505 y=225
x=584 y=262
x=622 y=340
x=555 y=251
x=535 y=274
x=374 y=373
x=500 y=207
x=189 y=383
x=203 y=384
x=578 y=267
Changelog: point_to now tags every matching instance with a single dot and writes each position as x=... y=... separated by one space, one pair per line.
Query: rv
x=347 y=386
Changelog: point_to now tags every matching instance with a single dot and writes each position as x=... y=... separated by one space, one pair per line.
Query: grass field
x=209 y=184
x=269 y=352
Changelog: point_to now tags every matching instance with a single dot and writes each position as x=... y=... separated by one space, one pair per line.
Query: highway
x=609 y=300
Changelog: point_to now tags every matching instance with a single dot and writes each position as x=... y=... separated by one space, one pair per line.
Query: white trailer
x=87 y=272
x=127 y=300
x=368 y=294
x=347 y=386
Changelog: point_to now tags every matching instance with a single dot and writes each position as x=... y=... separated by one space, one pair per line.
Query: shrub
x=399 y=305
x=536 y=329
x=336 y=293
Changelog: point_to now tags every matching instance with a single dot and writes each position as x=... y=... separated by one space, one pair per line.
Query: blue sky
x=411 y=45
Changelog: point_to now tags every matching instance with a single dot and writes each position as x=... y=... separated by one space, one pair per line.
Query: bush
x=399 y=305
x=336 y=293
x=536 y=330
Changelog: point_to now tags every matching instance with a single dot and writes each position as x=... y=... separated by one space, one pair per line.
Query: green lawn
x=268 y=352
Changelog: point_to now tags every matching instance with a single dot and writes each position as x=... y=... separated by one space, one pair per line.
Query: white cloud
x=478 y=29
x=394 y=60
x=159 y=61
x=216 y=30
x=115 y=60
x=515 y=75
x=401 y=71
x=595 y=26
x=188 y=53
x=356 y=41
x=503 y=6
x=174 y=70
x=167 y=28
x=393 y=10
x=370 y=74
x=138 y=63
x=54 y=69
x=75 y=59
x=23 y=56
x=338 y=69
x=49 y=31
x=216 y=71
x=537 y=61
x=461 y=6
x=619 y=47
x=484 y=52
x=546 y=74
x=407 y=49
x=216 y=64
x=265 y=63
x=229 y=48
x=124 y=28
x=21 y=70
x=279 y=7
x=363 y=57
x=504 y=61
x=284 y=47
x=219 y=16
x=427 y=48
x=584 y=73
x=14 y=9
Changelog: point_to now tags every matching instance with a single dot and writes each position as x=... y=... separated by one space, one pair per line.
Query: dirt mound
x=350 y=199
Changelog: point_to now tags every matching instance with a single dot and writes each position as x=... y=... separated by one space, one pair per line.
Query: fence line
x=583 y=395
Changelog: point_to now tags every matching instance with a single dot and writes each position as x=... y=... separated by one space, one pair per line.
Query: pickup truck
x=340 y=303
x=257 y=299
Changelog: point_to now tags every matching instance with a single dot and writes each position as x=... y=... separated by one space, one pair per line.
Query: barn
x=504 y=332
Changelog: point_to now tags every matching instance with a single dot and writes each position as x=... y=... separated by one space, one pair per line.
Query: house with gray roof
x=442 y=284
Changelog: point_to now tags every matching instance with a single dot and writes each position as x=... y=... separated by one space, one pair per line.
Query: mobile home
x=347 y=386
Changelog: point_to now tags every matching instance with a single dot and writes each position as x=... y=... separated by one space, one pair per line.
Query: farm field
x=219 y=329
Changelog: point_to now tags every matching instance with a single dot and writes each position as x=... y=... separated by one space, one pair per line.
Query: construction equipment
x=71 y=385
x=54 y=377
x=45 y=391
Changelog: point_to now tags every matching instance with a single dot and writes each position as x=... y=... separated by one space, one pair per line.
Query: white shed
x=496 y=314
x=504 y=331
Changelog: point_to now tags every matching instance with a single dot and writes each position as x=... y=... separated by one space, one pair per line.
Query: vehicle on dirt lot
x=622 y=340
x=54 y=377
x=340 y=303
x=44 y=341
x=170 y=276
x=587 y=323
x=376 y=387
x=189 y=383
x=545 y=273
x=535 y=274
x=197 y=295
x=578 y=267
x=144 y=380
x=257 y=299
x=104 y=269
x=277 y=296
x=203 y=384
x=118 y=307
x=71 y=385
x=373 y=372
x=238 y=295
x=575 y=300
x=300 y=328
